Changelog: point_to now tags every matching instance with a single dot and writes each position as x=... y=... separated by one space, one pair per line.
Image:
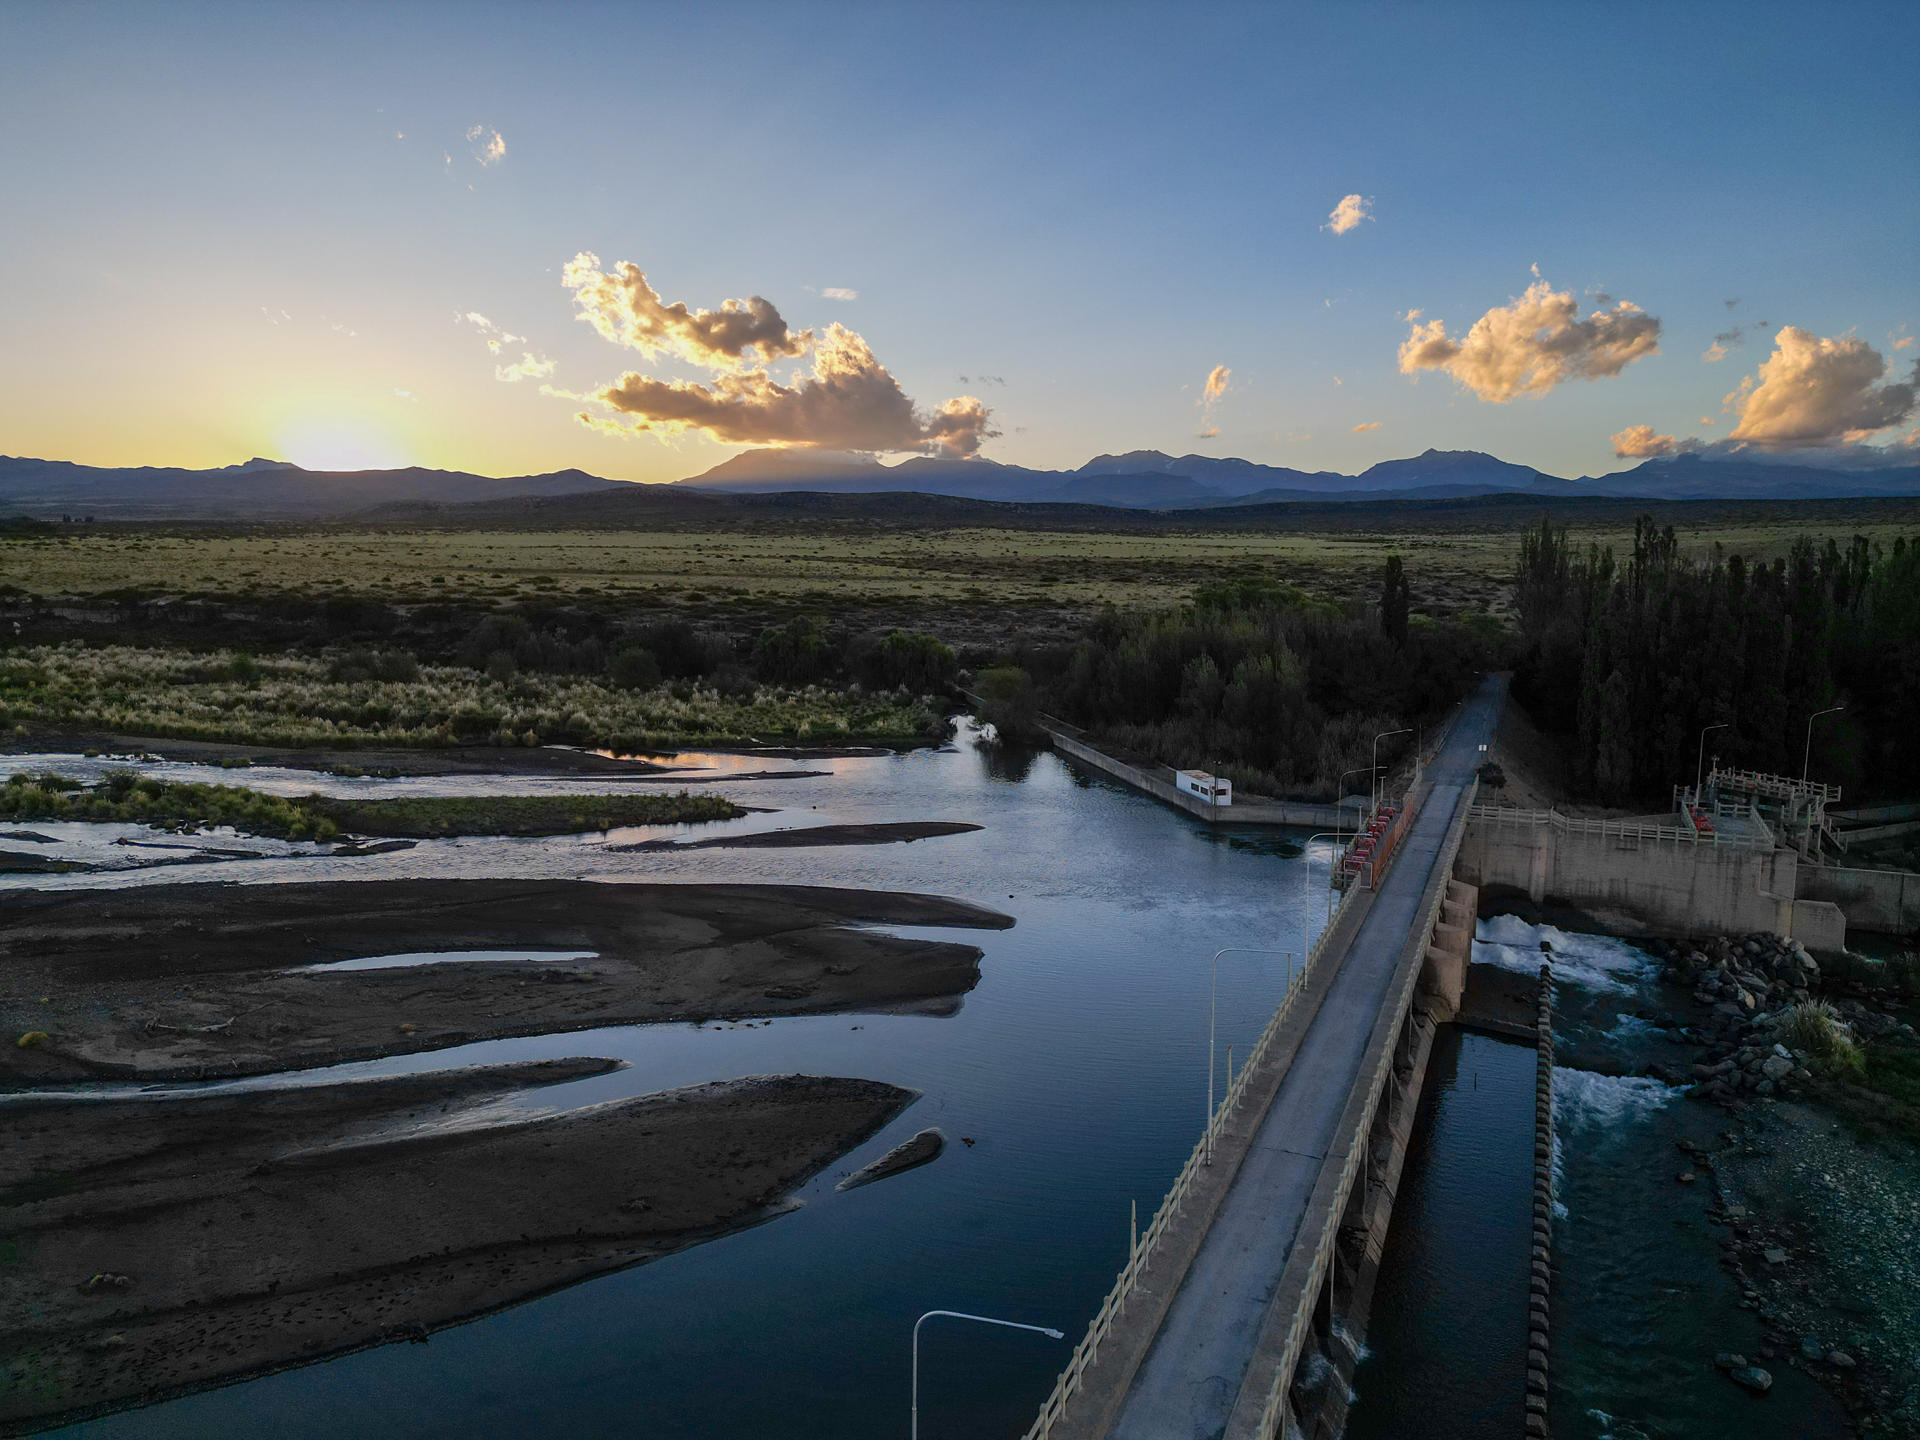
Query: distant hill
x=267 y=490
x=256 y=490
x=1154 y=480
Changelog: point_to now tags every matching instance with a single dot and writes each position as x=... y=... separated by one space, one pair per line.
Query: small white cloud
x=1207 y=433
x=1348 y=214
x=1535 y=268
x=1708 y=420
x=488 y=147
x=529 y=367
x=839 y=292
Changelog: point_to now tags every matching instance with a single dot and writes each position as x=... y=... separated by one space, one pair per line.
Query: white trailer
x=1198 y=783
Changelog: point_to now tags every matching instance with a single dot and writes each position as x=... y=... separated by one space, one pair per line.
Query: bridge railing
x=1273 y=1416
x=1626 y=829
x=1143 y=1251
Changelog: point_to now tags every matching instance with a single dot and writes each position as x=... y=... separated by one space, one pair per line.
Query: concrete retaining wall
x=1676 y=886
x=1279 y=812
x=1884 y=900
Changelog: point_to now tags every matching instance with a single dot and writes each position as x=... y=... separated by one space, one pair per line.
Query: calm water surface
x=1078 y=1068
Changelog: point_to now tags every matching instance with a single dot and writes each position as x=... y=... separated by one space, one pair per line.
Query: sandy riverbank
x=884 y=833
x=225 y=1235
x=196 y=980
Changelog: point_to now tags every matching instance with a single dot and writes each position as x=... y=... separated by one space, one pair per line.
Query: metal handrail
x=1273 y=1414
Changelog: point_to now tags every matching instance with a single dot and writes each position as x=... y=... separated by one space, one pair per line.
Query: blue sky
x=234 y=230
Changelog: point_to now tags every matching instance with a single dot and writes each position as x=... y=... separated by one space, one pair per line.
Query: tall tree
x=1395 y=601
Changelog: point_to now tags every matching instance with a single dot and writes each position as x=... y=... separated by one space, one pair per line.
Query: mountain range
x=268 y=490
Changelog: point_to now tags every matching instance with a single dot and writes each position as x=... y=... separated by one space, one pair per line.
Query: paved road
x=1193 y=1372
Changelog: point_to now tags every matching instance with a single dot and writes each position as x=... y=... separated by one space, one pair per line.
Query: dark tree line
x=1634 y=657
x=1255 y=681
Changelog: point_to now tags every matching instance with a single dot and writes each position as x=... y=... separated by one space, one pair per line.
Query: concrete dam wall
x=1663 y=876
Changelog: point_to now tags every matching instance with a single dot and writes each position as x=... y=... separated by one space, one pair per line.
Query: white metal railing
x=1142 y=1250
x=1273 y=1415
x=1627 y=829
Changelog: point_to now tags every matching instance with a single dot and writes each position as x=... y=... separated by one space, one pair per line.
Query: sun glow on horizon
x=334 y=443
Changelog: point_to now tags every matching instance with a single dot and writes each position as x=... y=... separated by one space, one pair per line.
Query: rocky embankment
x=1768 y=1025
x=1813 y=1182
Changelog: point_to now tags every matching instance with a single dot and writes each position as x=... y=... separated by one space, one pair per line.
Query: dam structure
x=1273 y=1229
x=1235 y=1313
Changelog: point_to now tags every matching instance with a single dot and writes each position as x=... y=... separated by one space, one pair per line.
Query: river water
x=1077 y=1068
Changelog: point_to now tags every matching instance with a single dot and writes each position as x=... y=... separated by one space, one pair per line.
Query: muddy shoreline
x=900 y=832
x=228 y=1234
x=546 y=760
x=192 y=981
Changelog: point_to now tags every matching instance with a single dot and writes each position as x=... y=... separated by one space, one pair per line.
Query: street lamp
x=1213 y=1017
x=1383 y=735
x=1340 y=793
x=961 y=1315
x=1700 y=758
x=1806 y=756
x=1306 y=889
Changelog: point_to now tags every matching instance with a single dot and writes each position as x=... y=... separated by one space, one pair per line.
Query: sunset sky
x=373 y=235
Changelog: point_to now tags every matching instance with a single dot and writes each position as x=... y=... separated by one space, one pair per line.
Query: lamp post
x=1806 y=755
x=1306 y=889
x=1700 y=758
x=961 y=1315
x=1340 y=793
x=1383 y=735
x=1213 y=1017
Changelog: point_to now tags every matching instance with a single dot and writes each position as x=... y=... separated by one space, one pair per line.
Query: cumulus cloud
x=1348 y=214
x=1814 y=392
x=1532 y=344
x=1639 y=442
x=487 y=145
x=625 y=309
x=848 y=402
x=1368 y=425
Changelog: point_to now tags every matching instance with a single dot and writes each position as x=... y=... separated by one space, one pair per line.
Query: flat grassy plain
x=1459 y=556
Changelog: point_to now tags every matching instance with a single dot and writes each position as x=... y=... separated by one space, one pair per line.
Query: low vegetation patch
x=426 y=819
x=190 y=807
x=324 y=701
x=166 y=805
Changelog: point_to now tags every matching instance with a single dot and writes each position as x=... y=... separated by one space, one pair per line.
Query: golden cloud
x=1639 y=442
x=625 y=309
x=1368 y=425
x=849 y=402
x=1813 y=391
x=1532 y=344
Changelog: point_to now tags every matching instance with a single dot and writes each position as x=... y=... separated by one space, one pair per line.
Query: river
x=1077 y=1069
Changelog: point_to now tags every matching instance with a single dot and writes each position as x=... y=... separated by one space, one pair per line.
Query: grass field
x=1458 y=558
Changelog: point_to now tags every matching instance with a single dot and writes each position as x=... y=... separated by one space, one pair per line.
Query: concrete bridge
x=1274 y=1228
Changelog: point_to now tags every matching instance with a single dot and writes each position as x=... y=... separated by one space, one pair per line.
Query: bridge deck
x=1198 y=1360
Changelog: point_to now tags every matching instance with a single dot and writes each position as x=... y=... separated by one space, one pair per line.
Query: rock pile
x=1750 y=985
